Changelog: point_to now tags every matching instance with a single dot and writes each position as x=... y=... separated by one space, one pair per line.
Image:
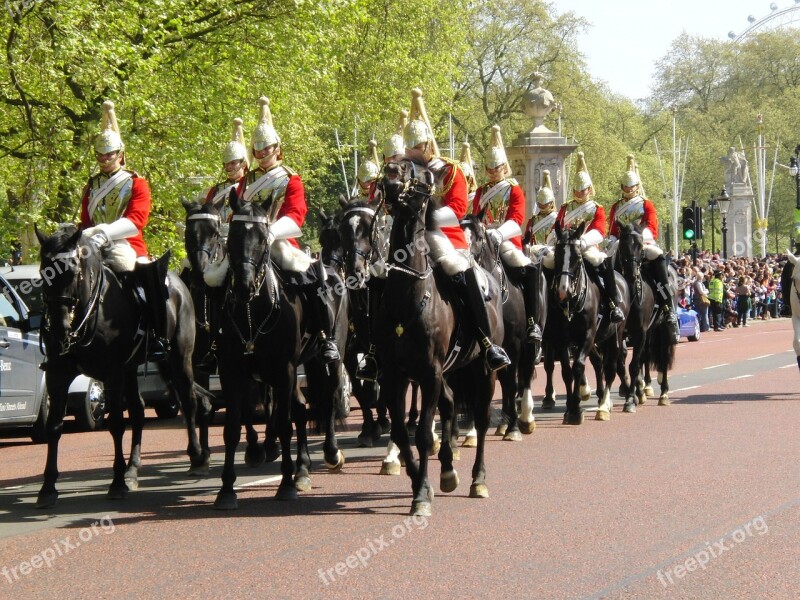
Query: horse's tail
x=661 y=349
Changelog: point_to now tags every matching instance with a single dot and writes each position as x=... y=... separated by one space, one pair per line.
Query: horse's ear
x=792 y=258
x=233 y=199
x=74 y=238
x=580 y=230
x=39 y=235
x=188 y=204
x=323 y=216
x=343 y=201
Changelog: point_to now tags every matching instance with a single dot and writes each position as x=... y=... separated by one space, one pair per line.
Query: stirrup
x=368 y=368
x=157 y=349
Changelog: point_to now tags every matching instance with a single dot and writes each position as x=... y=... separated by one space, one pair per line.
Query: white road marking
x=788 y=366
x=715 y=366
x=691 y=387
x=739 y=377
x=762 y=356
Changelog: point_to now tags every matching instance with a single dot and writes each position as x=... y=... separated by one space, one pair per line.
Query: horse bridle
x=76 y=335
x=636 y=260
x=367 y=256
x=413 y=186
x=576 y=298
x=213 y=255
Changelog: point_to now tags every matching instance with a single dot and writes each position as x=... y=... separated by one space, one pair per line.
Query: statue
x=737 y=170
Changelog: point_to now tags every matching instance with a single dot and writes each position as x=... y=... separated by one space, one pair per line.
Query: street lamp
x=724 y=203
x=712 y=206
x=794 y=171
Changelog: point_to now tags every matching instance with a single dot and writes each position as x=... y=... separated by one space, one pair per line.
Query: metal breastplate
x=541 y=226
x=630 y=211
x=113 y=204
x=270 y=196
x=575 y=213
x=494 y=200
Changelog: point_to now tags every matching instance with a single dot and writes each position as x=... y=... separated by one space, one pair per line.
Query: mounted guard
x=367 y=176
x=633 y=207
x=448 y=245
x=501 y=202
x=235 y=165
x=279 y=190
x=468 y=167
x=583 y=209
x=115 y=209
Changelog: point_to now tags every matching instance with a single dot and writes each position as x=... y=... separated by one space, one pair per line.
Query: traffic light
x=698 y=219
x=688 y=222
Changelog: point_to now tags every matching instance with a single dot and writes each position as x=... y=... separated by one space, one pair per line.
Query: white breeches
x=289 y=258
x=652 y=251
x=593 y=255
x=443 y=253
x=120 y=256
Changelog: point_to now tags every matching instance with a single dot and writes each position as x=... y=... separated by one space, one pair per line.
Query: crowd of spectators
x=751 y=288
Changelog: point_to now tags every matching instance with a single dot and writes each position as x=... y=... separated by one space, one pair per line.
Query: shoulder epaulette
x=512 y=180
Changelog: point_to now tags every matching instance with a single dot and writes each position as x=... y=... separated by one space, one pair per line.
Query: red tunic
x=598 y=222
x=137 y=211
x=515 y=211
x=649 y=220
x=456 y=199
x=294 y=200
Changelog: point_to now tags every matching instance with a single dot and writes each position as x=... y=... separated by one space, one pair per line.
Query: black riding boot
x=610 y=291
x=368 y=367
x=152 y=279
x=328 y=351
x=530 y=278
x=664 y=296
x=496 y=357
x=786 y=289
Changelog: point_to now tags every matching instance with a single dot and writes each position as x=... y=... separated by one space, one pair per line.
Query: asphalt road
x=699 y=499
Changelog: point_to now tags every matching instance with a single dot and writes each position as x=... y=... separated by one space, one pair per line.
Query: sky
x=627 y=37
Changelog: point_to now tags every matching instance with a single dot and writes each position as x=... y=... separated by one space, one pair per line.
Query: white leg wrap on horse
x=526 y=406
x=392 y=453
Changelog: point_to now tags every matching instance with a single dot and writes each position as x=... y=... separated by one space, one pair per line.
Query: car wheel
x=39 y=431
x=168 y=409
x=90 y=409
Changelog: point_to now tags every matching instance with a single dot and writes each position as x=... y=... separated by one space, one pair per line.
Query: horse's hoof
x=513 y=436
x=255 y=455
x=286 y=492
x=226 y=501
x=337 y=466
x=648 y=390
x=470 y=442
x=302 y=483
x=272 y=452
x=664 y=400
x=390 y=468
x=437 y=445
x=630 y=406
x=201 y=470
x=501 y=429
x=365 y=441
x=573 y=418
x=448 y=481
x=527 y=428
x=478 y=490
x=420 y=509
x=602 y=415
x=641 y=399
x=548 y=403
x=132 y=482
x=46 y=499
x=117 y=492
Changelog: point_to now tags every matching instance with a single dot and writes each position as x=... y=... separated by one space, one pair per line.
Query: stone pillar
x=539 y=149
x=740 y=220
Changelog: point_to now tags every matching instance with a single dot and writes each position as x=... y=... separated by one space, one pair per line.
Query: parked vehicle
x=689 y=323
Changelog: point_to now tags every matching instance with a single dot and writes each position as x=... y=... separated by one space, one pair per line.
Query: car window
x=9 y=315
x=31 y=294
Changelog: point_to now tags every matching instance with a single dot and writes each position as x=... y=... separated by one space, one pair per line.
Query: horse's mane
x=58 y=240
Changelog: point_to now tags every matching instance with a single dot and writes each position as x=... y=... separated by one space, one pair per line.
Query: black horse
x=515 y=380
x=421 y=338
x=205 y=239
x=264 y=336
x=572 y=319
x=341 y=240
x=93 y=325
x=649 y=339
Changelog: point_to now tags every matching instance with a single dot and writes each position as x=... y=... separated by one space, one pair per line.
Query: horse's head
x=329 y=239
x=631 y=251
x=356 y=233
x=63 y=261
x=202 y=236
x=568 y=261
x=407 y=187
x=248 y=249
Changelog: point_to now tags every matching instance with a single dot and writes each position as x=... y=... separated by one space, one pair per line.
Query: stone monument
x=540 y=148
x=740 y=215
